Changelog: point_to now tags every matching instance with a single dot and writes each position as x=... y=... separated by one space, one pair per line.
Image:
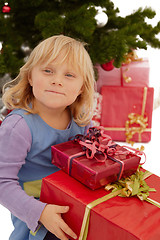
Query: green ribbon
x=134 y=185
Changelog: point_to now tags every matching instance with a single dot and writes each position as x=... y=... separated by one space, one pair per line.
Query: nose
x=57 y=80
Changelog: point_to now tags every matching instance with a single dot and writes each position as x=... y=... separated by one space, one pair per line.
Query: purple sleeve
x=15 y=137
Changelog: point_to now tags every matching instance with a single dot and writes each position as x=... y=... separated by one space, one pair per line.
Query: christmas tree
x=24 y=24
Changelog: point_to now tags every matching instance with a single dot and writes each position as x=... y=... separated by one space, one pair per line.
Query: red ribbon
x=137 y=152
x=96 y=143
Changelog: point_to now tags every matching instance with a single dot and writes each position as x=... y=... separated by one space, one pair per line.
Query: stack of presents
x=126 y=100
x=110 y=196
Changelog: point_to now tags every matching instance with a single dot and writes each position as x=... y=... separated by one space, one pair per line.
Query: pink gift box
x=138 y=71
x=108 y=78
x=134 y=74
x=90 y=172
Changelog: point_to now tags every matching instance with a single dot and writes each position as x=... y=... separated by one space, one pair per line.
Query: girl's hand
x=51 y=219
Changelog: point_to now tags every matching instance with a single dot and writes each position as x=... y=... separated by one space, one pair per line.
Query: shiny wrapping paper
x=133 y=74
x=120 y=102
x=88 y=171
x=116 y=219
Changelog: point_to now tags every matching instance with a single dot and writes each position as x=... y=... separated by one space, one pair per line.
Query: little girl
x=52 y=98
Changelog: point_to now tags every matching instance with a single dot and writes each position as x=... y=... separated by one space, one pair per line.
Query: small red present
x=127 y=113
x=115 y=219
x=133 y=74
x=96 y=163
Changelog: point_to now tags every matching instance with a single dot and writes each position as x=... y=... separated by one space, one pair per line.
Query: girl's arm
x=15 y=137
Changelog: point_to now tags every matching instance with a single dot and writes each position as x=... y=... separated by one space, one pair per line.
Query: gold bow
x=134 y=185
x=130 y=131
x=135 y=118
x=131 y=57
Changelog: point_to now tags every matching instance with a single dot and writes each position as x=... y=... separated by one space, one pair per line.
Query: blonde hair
x=18 y=93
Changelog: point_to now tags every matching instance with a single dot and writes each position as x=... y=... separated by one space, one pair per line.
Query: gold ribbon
x=129 y=57
x=134 y=185
x=139 y=119
x=124 y=129
x=125 y=77
x=85 y=223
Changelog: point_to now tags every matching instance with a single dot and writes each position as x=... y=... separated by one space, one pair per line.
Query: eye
x=48 y=71
x=70 y=75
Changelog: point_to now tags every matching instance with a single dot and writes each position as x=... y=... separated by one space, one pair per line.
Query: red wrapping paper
x=137 y=71
x=88 y=171
x=118 y=103
x=116 y=219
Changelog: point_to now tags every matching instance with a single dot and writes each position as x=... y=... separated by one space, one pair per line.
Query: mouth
x=55 y=92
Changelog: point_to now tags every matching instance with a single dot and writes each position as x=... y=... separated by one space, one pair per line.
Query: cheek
x=38 y=85
x=78 y=89
x=74 y=93
x=37 y=88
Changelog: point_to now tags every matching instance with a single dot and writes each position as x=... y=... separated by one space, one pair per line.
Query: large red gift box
x=70 y=157
x=115 y=219
x=133 y=74
x=127 y=112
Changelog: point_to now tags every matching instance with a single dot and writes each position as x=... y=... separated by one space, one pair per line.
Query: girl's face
x=55 y=86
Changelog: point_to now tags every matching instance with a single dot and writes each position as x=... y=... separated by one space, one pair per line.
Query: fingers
x=60 y=234
x=68 y=230
x=63 y=226
x=62 y=209
x=52 y=220
x=62 y=229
